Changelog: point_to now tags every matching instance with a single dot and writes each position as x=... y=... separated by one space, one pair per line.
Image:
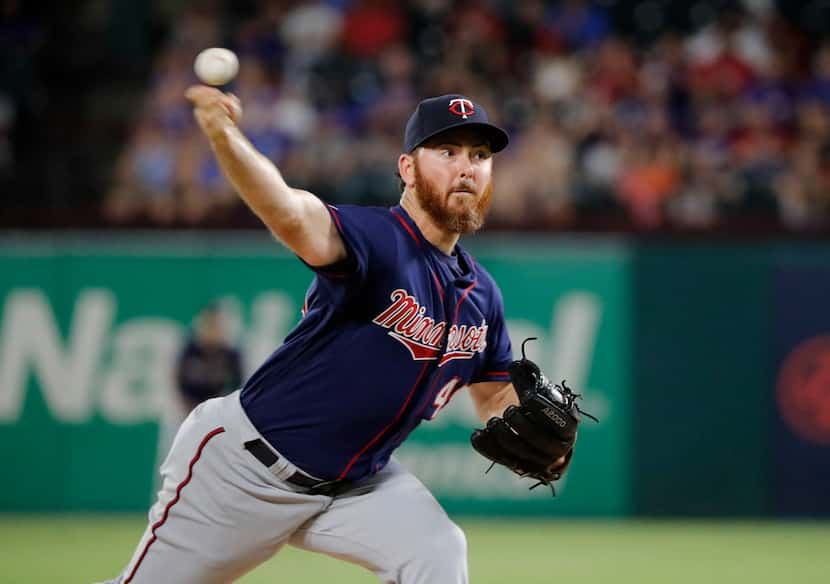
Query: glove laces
x=567 y=393
x=570 y=399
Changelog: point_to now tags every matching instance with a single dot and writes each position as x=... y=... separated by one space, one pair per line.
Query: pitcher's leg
x=395 y=528
x=220 y=513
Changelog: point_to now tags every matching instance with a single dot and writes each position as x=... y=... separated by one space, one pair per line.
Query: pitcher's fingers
x=233 y=106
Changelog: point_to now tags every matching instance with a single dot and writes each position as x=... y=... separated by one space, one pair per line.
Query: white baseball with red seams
x=216 y=66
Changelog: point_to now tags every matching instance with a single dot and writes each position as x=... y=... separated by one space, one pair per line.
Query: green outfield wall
x=698 y=359
x=702 y=372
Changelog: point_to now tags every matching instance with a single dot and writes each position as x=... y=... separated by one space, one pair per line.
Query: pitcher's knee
x=440 y=557
x=452 y=543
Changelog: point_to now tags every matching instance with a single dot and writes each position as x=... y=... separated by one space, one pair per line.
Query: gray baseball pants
x=221 y=512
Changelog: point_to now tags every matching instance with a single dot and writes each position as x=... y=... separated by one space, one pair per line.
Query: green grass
x=83 y=549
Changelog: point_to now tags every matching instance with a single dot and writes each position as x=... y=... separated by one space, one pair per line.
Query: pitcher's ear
x=406 y=169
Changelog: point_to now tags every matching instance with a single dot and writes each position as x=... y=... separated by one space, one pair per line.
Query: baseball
x=216 y=66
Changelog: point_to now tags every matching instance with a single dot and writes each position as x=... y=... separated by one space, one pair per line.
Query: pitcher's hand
x=215 y=111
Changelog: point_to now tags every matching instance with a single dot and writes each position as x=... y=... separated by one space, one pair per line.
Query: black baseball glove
x=530 y=438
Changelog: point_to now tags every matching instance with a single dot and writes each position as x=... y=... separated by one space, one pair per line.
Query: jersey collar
x=415 y=232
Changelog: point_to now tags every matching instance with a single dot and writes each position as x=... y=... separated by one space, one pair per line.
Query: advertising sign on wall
x=800 y=434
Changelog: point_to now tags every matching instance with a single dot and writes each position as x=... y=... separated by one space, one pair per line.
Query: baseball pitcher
x=398 y=318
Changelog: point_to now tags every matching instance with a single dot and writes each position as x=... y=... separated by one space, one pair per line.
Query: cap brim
x=496 y=137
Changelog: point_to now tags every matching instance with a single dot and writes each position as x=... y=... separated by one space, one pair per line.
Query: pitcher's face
x=453 y=179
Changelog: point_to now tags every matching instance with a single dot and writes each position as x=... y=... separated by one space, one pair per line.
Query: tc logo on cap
x=431 y=117
x=462 y=107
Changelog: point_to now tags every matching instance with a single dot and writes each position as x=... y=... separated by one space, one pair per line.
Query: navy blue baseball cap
x=437 y=114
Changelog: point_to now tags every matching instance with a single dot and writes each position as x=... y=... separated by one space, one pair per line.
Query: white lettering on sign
x=124 y=372
x=141 y=372
x=30 y=341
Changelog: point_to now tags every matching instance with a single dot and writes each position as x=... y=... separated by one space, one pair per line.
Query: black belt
x=315 y=486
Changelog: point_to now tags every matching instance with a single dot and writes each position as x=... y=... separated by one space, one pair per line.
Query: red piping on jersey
x=460 y=300
x=334 y=215
x=492 y=373
x=386 y=429
x=175 y=500
x=454 y=321
x=407 y=227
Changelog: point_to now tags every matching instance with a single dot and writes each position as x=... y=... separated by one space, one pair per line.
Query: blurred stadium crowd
x=639 y=115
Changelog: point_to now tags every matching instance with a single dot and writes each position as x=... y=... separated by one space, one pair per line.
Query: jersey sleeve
x=499 y=352
x=362 y=239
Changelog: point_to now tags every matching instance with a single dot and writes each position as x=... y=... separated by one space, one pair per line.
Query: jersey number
x=444 y=395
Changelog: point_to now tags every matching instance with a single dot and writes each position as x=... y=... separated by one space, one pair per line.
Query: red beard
x=435 y=205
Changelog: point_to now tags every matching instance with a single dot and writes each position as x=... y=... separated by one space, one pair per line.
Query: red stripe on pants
x=175 y=500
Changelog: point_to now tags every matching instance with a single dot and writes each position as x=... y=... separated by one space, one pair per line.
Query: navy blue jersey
x=387 y=337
